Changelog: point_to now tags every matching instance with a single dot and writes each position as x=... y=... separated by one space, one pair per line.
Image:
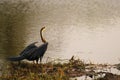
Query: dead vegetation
x=54 y=70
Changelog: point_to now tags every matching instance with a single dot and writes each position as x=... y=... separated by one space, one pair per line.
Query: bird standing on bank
x=32 y=52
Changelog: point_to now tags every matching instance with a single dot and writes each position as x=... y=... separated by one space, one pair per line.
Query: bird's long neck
x=43 y=40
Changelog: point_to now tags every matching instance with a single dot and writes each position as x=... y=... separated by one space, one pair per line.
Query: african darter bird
x=32 y=52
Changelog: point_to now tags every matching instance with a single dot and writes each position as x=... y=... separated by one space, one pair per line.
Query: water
x=84 y=77
x=87 y=29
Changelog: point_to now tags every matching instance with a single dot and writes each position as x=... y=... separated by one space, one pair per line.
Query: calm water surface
x=87 y=29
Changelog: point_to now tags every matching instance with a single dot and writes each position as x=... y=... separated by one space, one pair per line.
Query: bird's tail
x=15 y=58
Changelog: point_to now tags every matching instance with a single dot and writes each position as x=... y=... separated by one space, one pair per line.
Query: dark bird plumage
x=32 y=52
x=29 y=47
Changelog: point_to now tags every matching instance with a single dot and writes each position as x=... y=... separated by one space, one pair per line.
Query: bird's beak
x=43 y=28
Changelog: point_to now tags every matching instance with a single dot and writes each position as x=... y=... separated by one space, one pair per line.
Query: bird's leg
x=37 y=61
x=40 y=59
x=33 y=62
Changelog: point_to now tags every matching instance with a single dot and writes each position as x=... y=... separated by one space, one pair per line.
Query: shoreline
x=55 y=70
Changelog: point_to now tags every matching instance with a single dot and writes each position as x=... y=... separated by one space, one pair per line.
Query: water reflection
x=73 y=28
x=12 y=29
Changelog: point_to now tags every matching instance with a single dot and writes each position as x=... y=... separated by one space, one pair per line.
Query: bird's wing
x=29 y=53
x=26 y=55
x=38 y=52
x=29 y=47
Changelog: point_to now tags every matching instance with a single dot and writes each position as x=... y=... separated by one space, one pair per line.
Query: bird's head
x=43 y=28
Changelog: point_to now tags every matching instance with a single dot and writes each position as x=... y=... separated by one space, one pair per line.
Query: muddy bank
x=58 y=71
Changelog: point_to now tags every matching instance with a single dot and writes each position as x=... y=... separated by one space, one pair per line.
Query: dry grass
x=48 y=71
